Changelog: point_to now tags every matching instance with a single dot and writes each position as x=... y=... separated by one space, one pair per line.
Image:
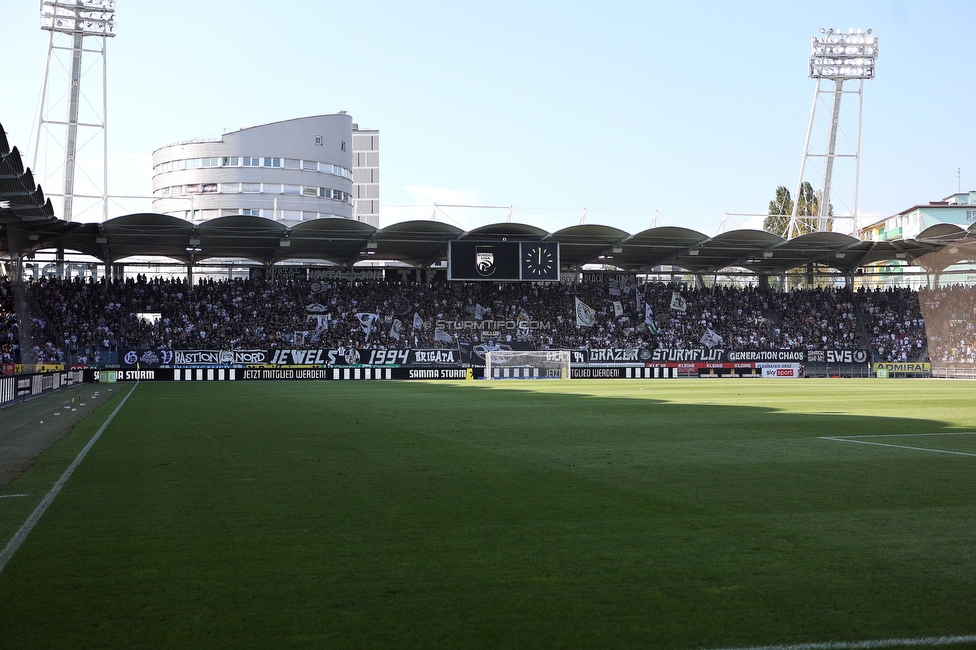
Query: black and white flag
x=649 y=319
x=366 y=321
x=710 y=339
x=585 y=315
x=677 y=302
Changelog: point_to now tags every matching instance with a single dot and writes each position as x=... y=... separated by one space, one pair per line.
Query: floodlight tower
x=836 y=56
x=72 y=23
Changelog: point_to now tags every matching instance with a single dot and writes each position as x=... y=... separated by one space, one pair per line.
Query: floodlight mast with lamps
x=77 y=20
x=838 y=57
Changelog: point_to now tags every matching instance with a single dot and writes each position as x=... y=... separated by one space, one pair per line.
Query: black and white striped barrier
x=19 y=387
x=365 y=374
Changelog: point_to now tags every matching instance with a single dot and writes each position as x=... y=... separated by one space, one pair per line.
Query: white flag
x=710 y=339
x=395 y=330
x=366 y=322
x=418 y=322
x=618 y=309
x=585 y=315
x=441 y=335
x=677 y=302
x=479 y=312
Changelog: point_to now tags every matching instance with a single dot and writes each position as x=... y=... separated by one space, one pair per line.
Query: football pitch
x=560 y=514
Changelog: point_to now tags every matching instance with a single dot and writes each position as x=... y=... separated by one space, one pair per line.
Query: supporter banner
x=363 y=357
x=148 y=358
x=112 y=376
x=620 y=280
x=721 y=355
x=702 y=355
x=218 y=357
x=610 y=355
x=597 y=373
x=302 y=273
x=29 y=385
x=468 y=354
x=837 y=356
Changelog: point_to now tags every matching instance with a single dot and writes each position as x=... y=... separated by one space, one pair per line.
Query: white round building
x=290 y=171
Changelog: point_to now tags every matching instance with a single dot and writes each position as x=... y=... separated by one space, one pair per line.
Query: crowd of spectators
x=950 y=320
x=895 y=324
x=84 y=320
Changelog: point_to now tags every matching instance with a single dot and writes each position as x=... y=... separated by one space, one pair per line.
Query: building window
x=291 y=163
x=272 y=162
x=230 y=188
x=251 y=162
x=251 y=212
x=250 y=188
x=309 y=191
x=970 y=215
x=310 y=165
x=230 y=161
x=343 y=147
x=293 y=189
x=318 y=140
x=208 y=188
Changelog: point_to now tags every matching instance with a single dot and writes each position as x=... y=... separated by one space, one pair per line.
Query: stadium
x=317 y=432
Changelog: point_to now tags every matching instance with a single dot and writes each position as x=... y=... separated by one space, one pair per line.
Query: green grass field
x=577 y=514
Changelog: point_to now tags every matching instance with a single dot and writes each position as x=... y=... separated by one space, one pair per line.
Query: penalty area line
x=867 y=645
x=883 y=444
x=35 y=516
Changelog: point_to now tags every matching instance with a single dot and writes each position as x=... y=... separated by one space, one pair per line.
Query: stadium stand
x=82 y=321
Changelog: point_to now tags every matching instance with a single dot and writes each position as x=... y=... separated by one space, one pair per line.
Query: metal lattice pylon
x=57 y=144
x=839 y=57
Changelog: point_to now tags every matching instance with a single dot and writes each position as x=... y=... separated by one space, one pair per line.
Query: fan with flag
x=366 y=321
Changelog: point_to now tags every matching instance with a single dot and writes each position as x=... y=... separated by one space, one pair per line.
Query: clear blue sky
x=693 y=109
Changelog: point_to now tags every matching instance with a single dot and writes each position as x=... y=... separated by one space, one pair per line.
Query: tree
x=808 y=209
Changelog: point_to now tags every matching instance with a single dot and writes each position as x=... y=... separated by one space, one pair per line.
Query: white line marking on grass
x=907 y=435
x=35 y=516
x=882 y=444
x=867 y=645
x=11 y=496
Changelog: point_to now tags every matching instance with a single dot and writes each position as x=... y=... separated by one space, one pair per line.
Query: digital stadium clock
x=503 y=261
x=540 y=261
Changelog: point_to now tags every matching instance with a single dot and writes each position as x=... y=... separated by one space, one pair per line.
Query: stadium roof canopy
x=343 y=242
x=28 y=225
